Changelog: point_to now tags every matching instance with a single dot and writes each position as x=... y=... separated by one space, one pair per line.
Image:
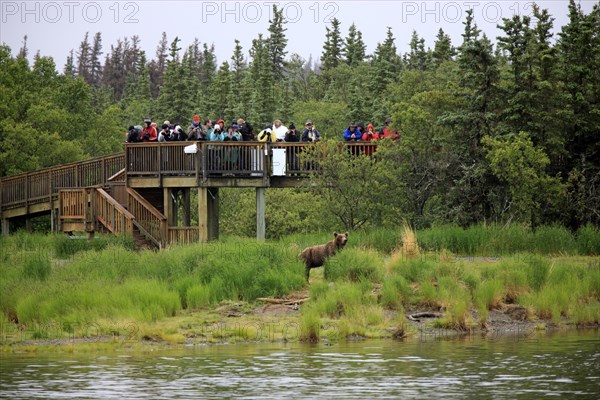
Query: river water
x=525 y=366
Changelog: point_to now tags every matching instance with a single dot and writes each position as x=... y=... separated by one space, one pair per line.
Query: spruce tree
x=238 y=61
x=386 y=64
x=239 y=90
x=218 y=93
x=354 y=47
x=95 y=65
x=332 y=49
x=83 y=59
x=277 y=43
x=443 y=50
x=579 y=52
x=158 y=66
x=24 y=51
x=175 y=101
x=473 y=183
x=261 y=73
x=69 y=68
x=208 y=67
x=417 y=57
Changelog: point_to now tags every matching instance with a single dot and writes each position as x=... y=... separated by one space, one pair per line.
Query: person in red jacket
x=149 y=133
x=387 y=132
x=368 y=136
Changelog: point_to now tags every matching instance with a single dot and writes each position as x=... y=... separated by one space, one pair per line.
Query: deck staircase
x=93 y=209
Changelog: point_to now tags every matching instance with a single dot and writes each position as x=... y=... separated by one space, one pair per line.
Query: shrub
x=37 y=267
x=488 y=296
x=395 y=292
x=588 y=240
x=355 y=265
x=537 y=272
x=199 y=296
x=310 y=326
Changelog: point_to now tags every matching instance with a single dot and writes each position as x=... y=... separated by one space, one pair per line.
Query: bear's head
x=340 y=239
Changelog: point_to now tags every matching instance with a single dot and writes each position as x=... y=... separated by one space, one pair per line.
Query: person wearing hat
x=387 y=132
x=165 y=133
x=149 y=133
x=232 y=134
x=351 y=134
x=310 y=133
x=194 y=131
x=216 y=135
x=292 y=134
x=368 y=136
x=291 y=155
x=267 y=135
x=221 y=123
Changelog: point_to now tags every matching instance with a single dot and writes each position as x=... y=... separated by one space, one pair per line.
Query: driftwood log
x=286 y=302
x=418 y=316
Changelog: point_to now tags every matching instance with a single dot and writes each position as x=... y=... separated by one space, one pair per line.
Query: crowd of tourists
x=240 y=130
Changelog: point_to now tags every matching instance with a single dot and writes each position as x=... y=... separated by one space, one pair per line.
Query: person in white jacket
x=280 y=130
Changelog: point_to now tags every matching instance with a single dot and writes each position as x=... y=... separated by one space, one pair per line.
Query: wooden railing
x=160 y=159
x=217 y=159
x=151 y=222
x=43 y=185
x=185 y=234
x=73 y=204
x=111 y=214
x=238 y=159
x=212 y=159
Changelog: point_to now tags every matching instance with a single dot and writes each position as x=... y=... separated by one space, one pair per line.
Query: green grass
x=487 y=296
x=355 y=264
x=47 y=279
x=494 y=240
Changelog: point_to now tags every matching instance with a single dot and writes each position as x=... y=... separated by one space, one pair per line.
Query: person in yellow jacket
x=267 y=135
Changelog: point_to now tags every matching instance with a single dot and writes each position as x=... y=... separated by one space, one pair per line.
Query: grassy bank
x=53 y=287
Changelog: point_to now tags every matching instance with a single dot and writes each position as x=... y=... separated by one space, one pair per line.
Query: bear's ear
x=335 y=234
x=346 y=234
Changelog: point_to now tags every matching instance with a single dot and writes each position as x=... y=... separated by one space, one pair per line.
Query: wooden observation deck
x=145 y=191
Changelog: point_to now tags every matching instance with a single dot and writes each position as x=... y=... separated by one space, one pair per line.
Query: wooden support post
x=186 y=207
x=170 y=207
x=52 y=218
x=213 y=226
x=261 y=206
x=5 y=226
x=27 y=223
x=208 y=213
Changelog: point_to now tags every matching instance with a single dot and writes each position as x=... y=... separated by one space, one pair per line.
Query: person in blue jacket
x=352 y=134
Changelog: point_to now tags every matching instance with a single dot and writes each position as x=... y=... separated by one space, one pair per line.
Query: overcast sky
x=56 y=27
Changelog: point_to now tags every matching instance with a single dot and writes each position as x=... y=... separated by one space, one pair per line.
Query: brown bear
x=315 y=256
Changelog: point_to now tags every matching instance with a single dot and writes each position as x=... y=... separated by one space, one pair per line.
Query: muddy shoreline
x=235 y=323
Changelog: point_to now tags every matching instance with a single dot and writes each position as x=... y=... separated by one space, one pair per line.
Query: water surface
x=532 y=366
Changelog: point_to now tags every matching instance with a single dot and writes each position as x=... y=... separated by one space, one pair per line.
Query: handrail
x=42 y=185
x=147 y=218
x=183 y=234
x=118 y=176
x=64 y=166
x=111 y=214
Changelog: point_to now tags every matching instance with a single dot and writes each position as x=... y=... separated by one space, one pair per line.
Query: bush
x=199 y=296
x=488 y=296
x=537 y=272
x=310 y=326
x=395 y=292
x=37 y=267
x=588 y=240
x=355 y=265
